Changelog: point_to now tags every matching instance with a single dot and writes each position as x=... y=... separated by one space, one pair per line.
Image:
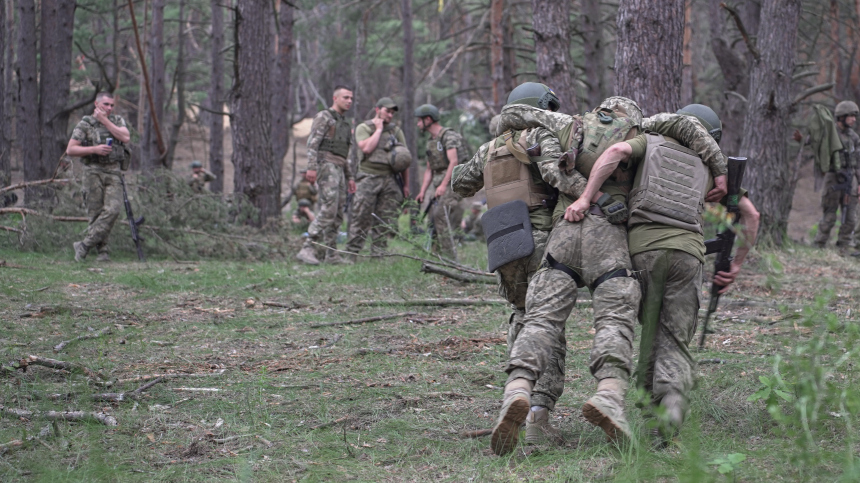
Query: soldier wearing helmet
x=841 y=182
x=445 y=150
x=199 y=177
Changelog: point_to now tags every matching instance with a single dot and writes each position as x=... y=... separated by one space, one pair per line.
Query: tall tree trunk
x=216 y=99
x=768 y=112
x=58 y=17
x=362 y=102
x=408 y=108
x=137 y=155
x=688 y=79
x=255 y=173
x=497 y=68
x=648 y=57
x=594 y=51
x=5 y=165
x=509 y=57
x=151 y=152
x=281 y=116
x=179 y=80
x=10 y=34
x=551 y=23
x=27 y=129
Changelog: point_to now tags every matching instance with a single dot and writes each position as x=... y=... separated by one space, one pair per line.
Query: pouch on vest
x=670 y=186
x=601 y=128
x=507 y=175
x=509 y=233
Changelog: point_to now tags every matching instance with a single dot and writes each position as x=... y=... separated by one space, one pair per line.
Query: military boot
x=515 y=409
x=606 y=409
x=308 y=256
x=80 y=251
x=675 y=409
x=538 y=427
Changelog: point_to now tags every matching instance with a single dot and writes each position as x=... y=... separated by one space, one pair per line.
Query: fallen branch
x=460 y=277
x=478 y=433
x=334 y=341
x=122 y=396
x=430 y=302
x=330 y=423
x=103 y=418
x=13 y=230
x=169 y=376
x=63 y=365
x=92 y=335
x=293 y=305
x=365 y=319
x=195 y=389
x=11 y=445
x=4 y=263
x=33 y=183
x=231 y=438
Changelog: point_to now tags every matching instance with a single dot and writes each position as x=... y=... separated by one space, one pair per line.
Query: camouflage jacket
x=93 y=133
x=323 y=122
x=851 y=149
x=689 y=132
x=198 y=181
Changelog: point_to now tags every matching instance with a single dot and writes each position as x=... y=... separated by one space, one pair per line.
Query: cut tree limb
x=103 y=418
x=122 y=396
x=459 y=276
x=55 y=364
x=10 y=446
x=92 y=335
x=365 y=319
x=170 y=376
x=32 y=183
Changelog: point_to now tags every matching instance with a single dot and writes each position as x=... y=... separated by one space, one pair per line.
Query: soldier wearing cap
x=199 y=177
x=380 y=188
x=445 y=149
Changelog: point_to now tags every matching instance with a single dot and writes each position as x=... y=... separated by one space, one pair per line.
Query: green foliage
x=728 y=464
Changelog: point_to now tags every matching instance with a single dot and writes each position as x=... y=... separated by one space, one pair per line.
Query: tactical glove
x=615 y=211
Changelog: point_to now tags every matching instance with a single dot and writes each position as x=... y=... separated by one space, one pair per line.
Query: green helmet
x=846 y=108
x=425 y=110
x=707 y=117
x=196 y=164
x=401 y=158
x=624 y=105
x=536 y=95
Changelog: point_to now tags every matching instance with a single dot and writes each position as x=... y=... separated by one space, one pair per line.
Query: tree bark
x=648 y=57
x=497 y=68
x=594 y=47
x=179 y=80
x=551 y=23
x=151 y=158
x=216 y=99
x=58 y=19
x=28 y=132
x=408 y=108
x=281 y=117
x=5 y=166
x=768 y=112
x=8 y=99
x=255 y=175
x=688 y=79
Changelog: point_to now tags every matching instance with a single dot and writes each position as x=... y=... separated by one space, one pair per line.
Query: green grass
x=388 y=400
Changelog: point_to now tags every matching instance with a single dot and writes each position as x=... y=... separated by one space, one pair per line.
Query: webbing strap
x=564 y=268
x=621 y=272
x=504 y=232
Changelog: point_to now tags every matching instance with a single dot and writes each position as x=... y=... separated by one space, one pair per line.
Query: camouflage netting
x=178 y=223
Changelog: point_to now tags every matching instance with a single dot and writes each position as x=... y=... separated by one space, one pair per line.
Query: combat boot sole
x=507 y=429
x=600 y=417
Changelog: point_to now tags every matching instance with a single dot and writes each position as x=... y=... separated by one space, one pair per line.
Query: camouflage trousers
x=592 y=248
x=104 y=202
x=514 y=280
x=445 y=214
x=831 y=201
x=375 y=194
x=331 y=183
x=671 y=281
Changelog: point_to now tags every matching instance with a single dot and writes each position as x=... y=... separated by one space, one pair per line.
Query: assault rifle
x=723 y=243
x=132 y=223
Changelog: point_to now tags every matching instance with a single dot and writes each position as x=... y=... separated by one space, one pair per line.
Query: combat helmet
x=401 y=158
x=846 y=108
x=624 y=105
x=426 y=110
x=534 y=94
x=196 y=164
x=707 y=117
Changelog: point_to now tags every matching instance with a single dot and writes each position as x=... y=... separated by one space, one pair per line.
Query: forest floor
x=251 y=391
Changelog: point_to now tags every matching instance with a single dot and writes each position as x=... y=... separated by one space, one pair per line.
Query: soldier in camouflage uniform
x=101 y=176
x=848 y=173
x=445 y=150
x=669 y=260
x=379 y=190
x=199 y=177
x=472 y=226
x=330 y=154
x=306 y=196
x=593 y=254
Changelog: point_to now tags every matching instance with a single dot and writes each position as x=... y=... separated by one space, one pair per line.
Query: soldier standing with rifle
x=445 y=150
x=841 y=181
x=330 y=150
x=99 y=139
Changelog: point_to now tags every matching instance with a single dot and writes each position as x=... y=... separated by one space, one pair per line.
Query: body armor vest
x=669 y=187
x=509 y=175
x=601 y=128
x=339 y=136
x=382 y=154
x=437 y=155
